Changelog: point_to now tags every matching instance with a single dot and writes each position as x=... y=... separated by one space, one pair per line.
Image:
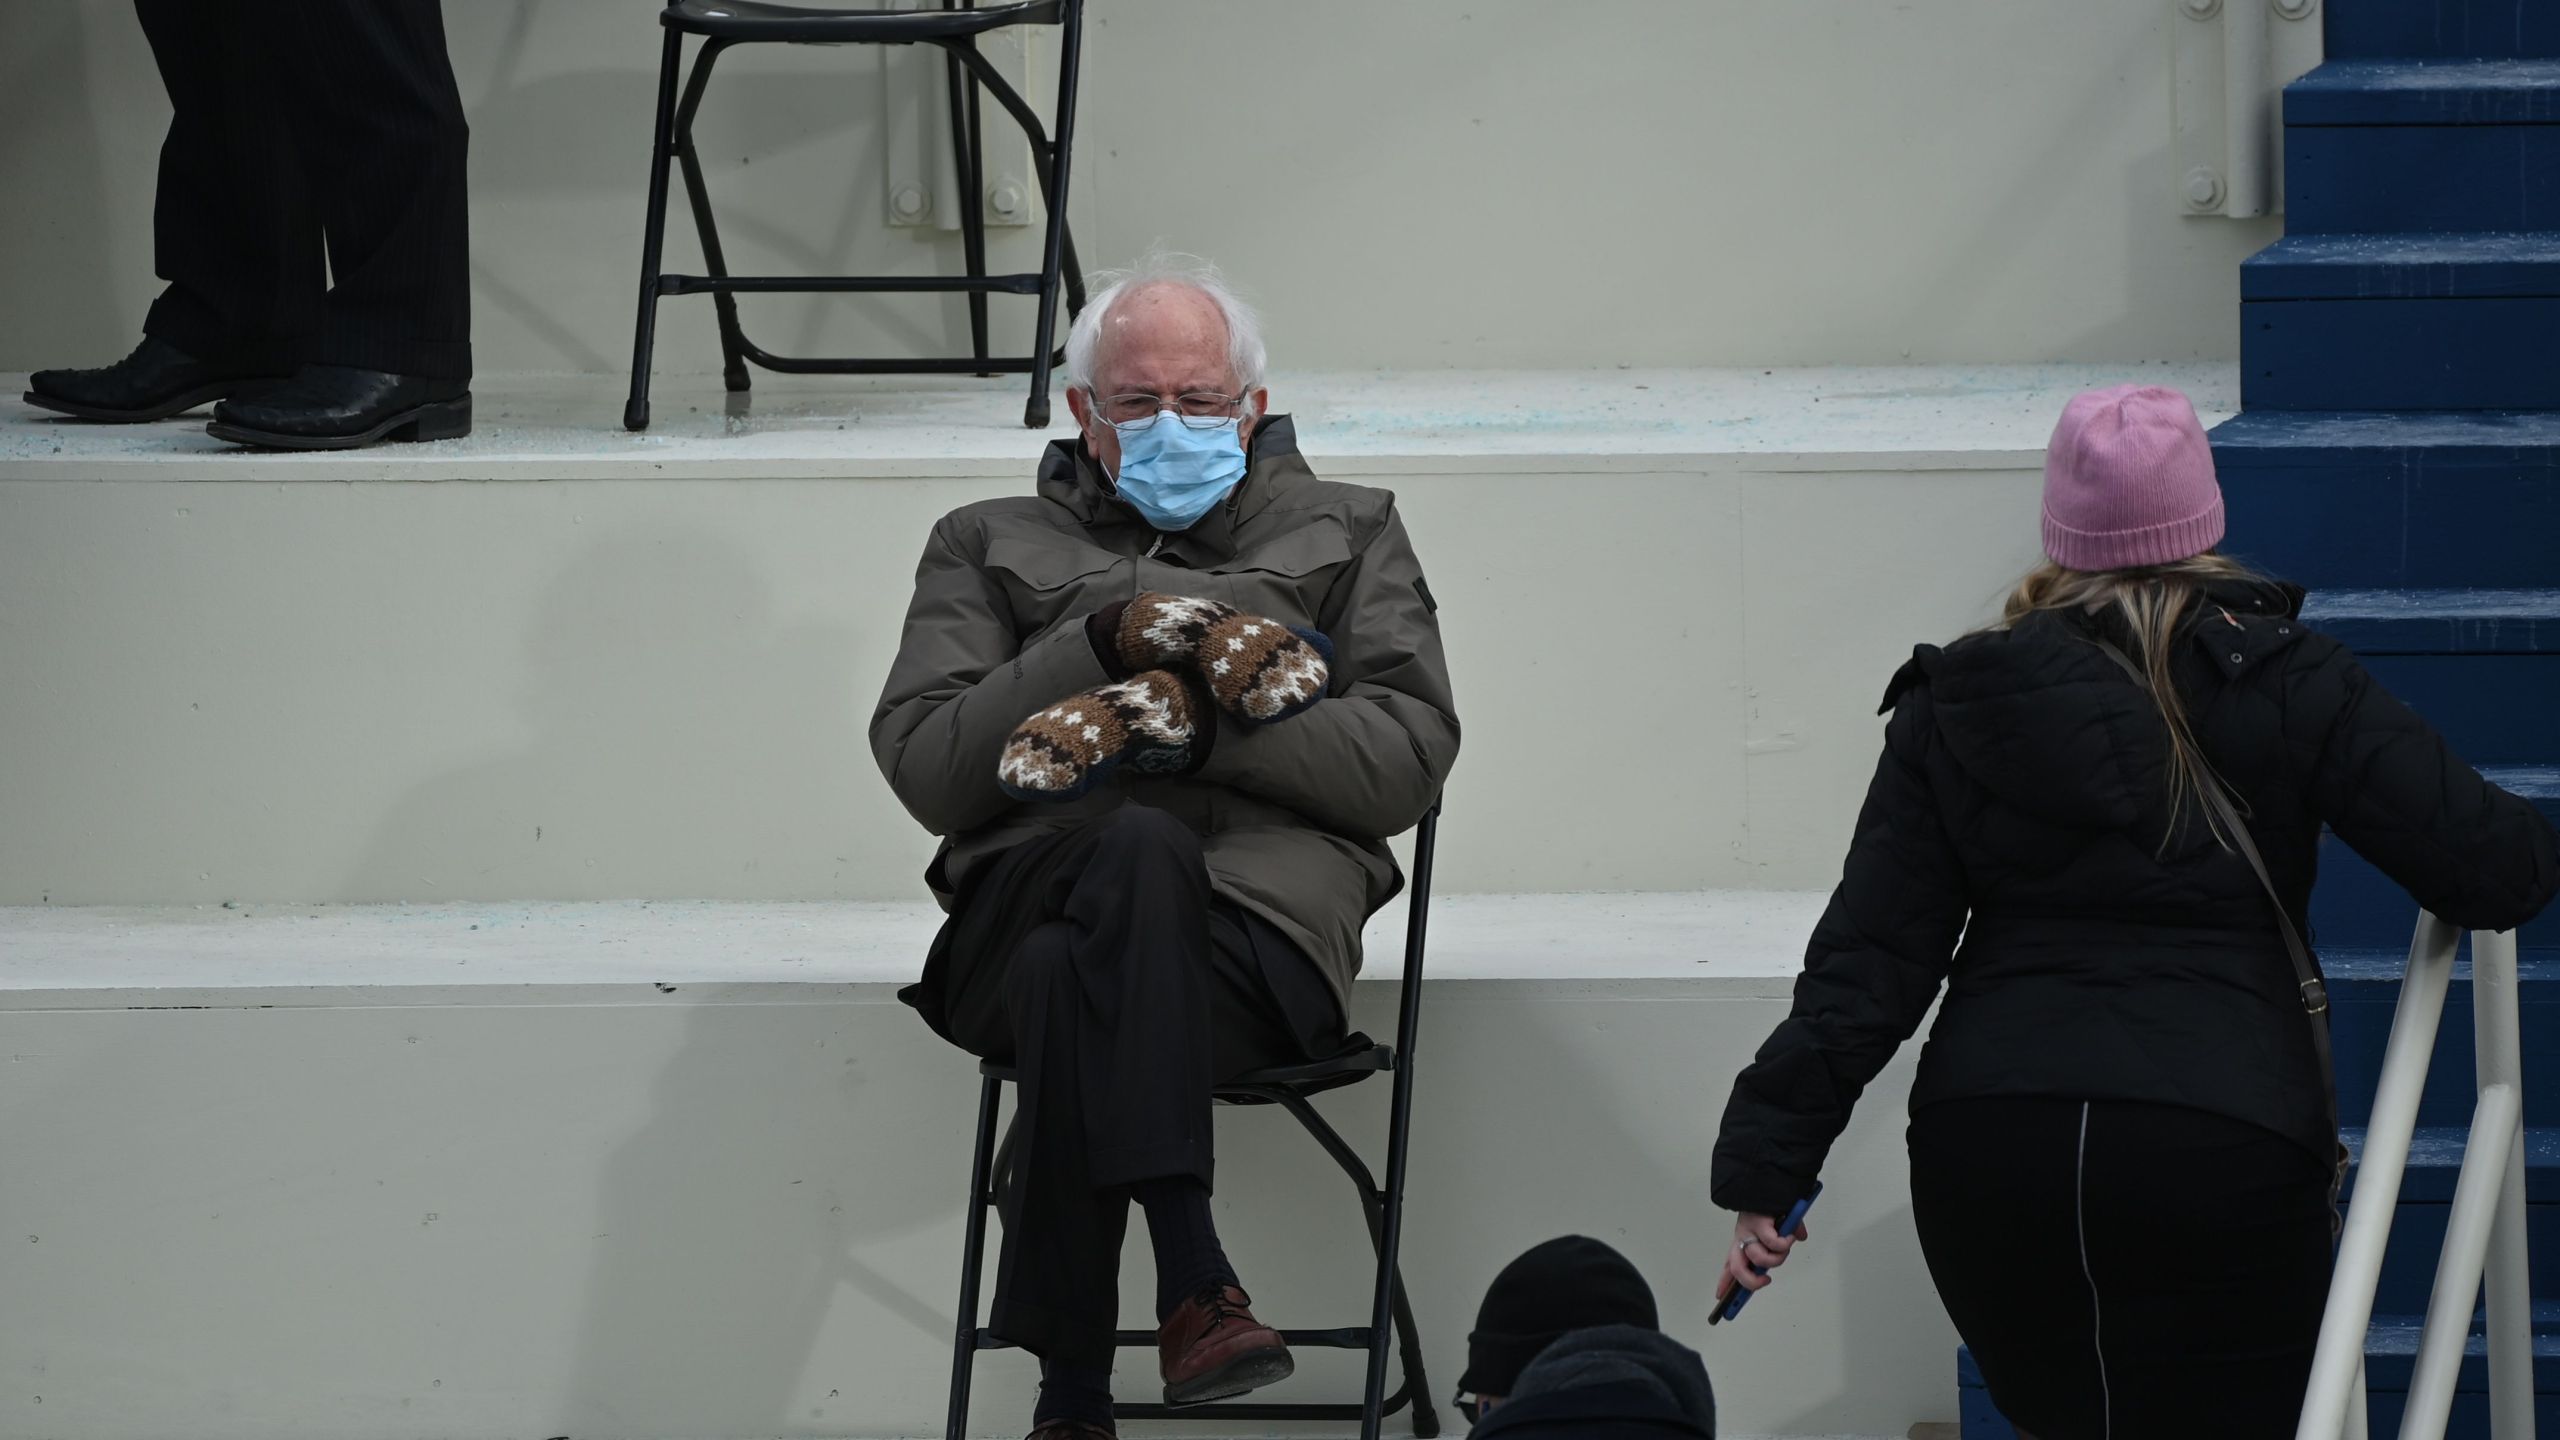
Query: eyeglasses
x=1201 y=410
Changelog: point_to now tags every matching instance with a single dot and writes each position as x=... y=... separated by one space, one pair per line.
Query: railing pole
x=2466 y=1249
x=2496 y=1028
x=2338 y=1361
x=2357 y=1427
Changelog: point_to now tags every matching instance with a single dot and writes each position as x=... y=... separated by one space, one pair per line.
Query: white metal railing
x=2486 y=1231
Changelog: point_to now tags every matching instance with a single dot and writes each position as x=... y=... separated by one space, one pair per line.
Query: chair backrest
x=1426 y=844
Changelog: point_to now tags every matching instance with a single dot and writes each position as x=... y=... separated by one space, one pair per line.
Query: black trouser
x=2124 y=1271
x=295 y=122
x=1098 y=964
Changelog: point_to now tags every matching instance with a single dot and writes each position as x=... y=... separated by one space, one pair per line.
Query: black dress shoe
x=337 y=407
x=156 y=381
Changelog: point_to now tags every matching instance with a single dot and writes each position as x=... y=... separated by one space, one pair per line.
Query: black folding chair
x=955 y=28
x=1288 y=1087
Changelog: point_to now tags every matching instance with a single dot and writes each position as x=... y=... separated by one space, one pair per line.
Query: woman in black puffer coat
x=2121 y=1142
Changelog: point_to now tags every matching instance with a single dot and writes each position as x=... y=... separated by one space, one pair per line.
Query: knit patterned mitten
x=1145 y=722
x=1257 y=669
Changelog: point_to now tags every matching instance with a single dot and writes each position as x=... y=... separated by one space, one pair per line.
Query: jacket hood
x=2039 y=716
x=1638 y=1373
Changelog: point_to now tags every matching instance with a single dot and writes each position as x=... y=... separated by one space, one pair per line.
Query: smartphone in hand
x=1732 y=1297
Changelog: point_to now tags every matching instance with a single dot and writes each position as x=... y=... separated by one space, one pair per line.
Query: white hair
x=1162 y=267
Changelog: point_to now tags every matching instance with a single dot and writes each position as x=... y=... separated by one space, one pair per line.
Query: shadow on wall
x=671 y=717
x=723 y=1249
x=55 y=152
x=2008 y=233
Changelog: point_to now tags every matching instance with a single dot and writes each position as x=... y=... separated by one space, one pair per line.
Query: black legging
x=2124 y=1271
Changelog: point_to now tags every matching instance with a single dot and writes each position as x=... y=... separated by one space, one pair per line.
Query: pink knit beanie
x=2128 y=481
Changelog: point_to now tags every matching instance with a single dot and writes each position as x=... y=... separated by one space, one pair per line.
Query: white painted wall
x=1422 y=183
x=1668 y=633
x=736 y=1216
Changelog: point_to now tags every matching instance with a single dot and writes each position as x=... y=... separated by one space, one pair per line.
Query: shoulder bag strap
x=2308 y=984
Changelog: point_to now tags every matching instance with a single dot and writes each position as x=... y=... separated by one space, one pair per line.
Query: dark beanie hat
x=1572 y=1283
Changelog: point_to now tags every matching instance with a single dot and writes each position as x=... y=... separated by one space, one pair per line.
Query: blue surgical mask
x=1172 y=474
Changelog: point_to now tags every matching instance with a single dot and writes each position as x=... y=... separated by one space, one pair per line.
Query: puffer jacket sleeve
x=2391 y=787
x=1369 y=759
x=1874 y=966
x=962 y=681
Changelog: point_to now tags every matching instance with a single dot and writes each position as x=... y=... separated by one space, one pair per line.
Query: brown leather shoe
x=1213 y=1349
x=1072 y=1430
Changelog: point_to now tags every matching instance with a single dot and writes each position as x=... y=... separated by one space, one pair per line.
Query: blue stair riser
x=2431 y=29
x=2469 y=1419
x=2387 y=1376
x=2391 y=354
x=2417 y=178
x=2394 y=503
x=2360 y=1027
x=1978 y=1419
x=2495 y=709
x=2357 y=907
x=2417 y=1243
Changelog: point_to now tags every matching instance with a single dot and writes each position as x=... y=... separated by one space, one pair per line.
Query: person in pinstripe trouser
x=311 y=223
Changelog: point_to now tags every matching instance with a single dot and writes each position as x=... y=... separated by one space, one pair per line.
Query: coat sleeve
x=1369 y=759
x=962 y=681
x=1870 y=974
x=2391 y=787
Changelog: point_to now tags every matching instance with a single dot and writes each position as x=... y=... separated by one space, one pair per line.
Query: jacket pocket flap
x=1047 y=567
x=1300 y=552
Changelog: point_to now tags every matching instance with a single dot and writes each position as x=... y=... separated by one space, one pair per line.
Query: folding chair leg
x=1053 y=251
x=973 y=1248
x=1426 y=1420
x=635 y=411
x=1390 y=1260
x=969 y=161
x=733 y=343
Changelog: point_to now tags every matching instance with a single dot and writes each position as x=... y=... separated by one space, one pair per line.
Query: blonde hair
x=2154 y=603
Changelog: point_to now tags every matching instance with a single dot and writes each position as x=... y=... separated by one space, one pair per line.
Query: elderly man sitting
x=1164 y=712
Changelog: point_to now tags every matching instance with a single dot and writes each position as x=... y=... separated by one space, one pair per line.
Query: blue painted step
x=2435 y=1164
x=2425 y=1203
x=2440 y=265
x=2439 y=622
x=2495 y=709
x=1976 y=1417
x=2400 y=146
x=2391 y=1351
x=2402 y=322
x=2481 y=664
x=2364 y=989
x=2500 y=29
x=2394 y=501
x=2460 y=90
x=2391 y=1354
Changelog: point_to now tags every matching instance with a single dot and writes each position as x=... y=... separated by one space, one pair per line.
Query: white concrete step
x=613 y=667
x=1735 y=942
x=568 y=427
x=371 y=1174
